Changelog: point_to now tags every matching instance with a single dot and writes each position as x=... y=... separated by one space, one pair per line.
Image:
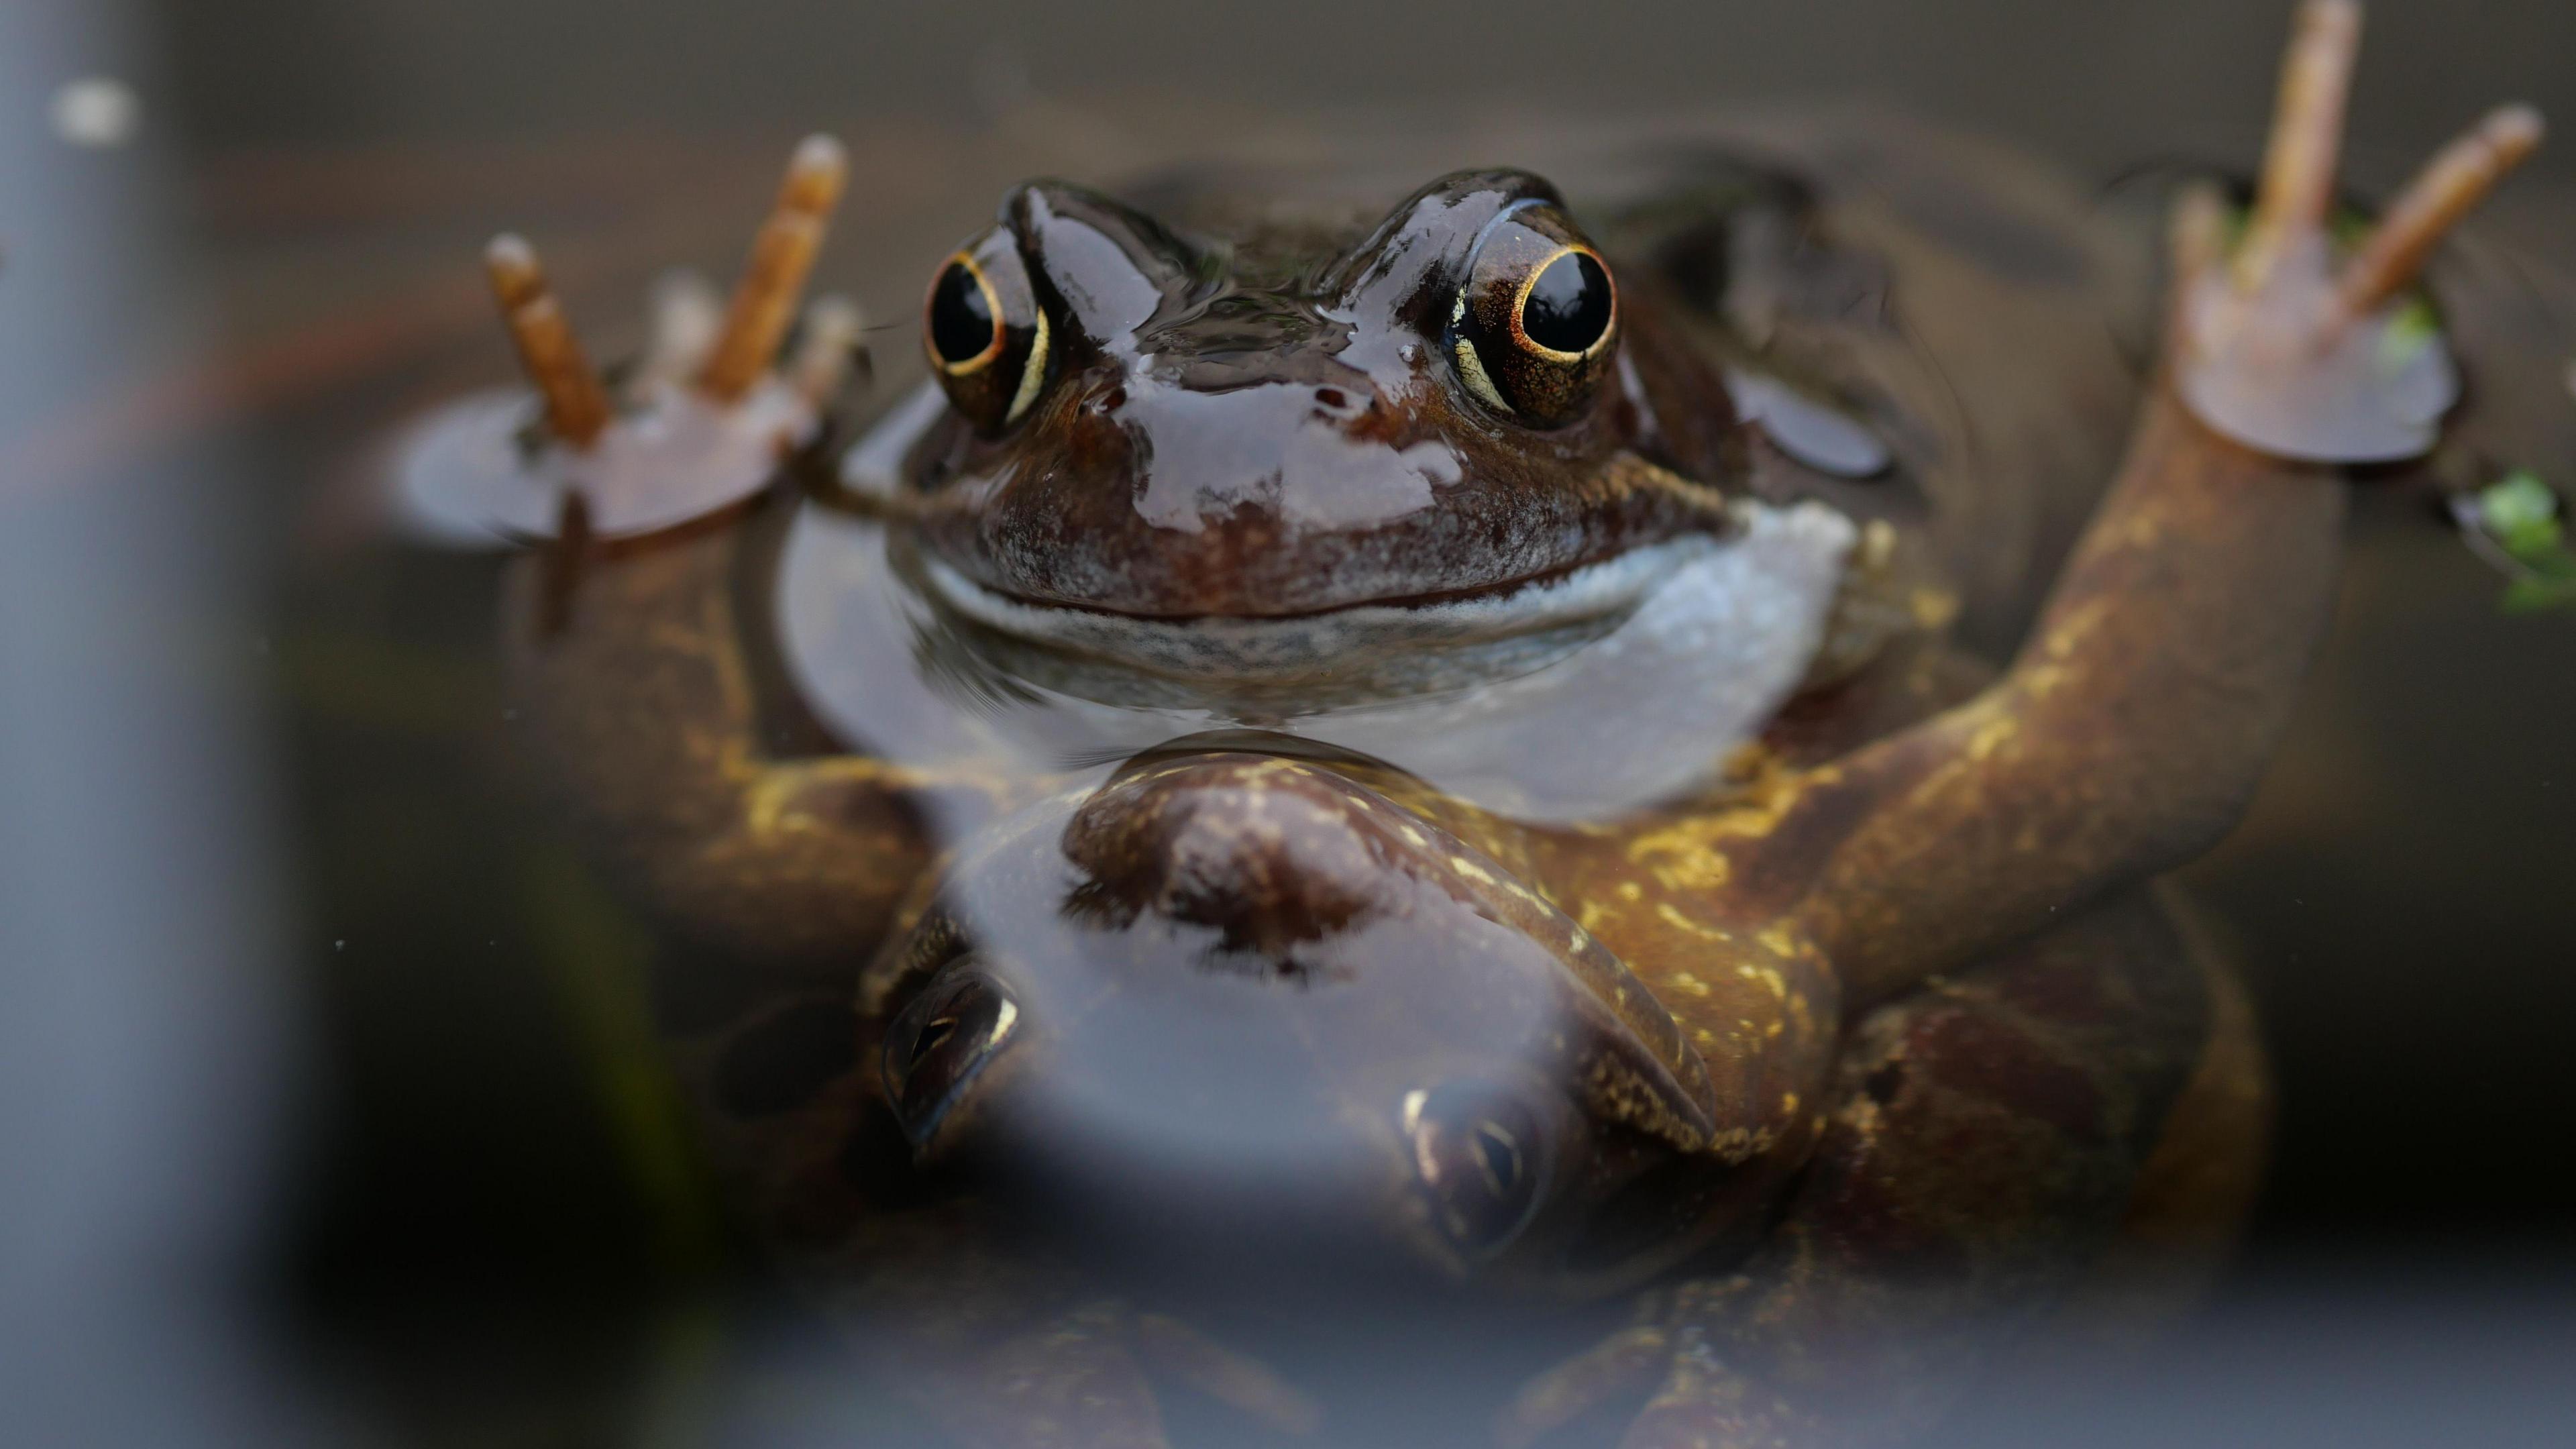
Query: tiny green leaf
x=2517 y=498
x=2532 y=596
x=2411 y=328
x=2522 y=514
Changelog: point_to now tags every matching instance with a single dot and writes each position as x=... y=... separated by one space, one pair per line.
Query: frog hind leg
x=2196 y=1191
x=1985 y=1144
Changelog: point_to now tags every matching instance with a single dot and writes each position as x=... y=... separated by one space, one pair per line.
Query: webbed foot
x=2301 y=345
x=698 y=425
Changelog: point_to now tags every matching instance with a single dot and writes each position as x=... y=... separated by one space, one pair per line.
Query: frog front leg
x=629 y=639
x=638 y=712
x=1985 y=1140
x=2129 y=733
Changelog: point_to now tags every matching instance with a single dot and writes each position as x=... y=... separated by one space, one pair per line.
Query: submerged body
x=1339 y=748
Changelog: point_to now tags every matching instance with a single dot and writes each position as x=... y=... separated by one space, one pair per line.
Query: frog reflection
x=1855 y=1045
x=1237 y=986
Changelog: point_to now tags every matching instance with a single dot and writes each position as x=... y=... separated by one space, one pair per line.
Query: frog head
x=1244 y=454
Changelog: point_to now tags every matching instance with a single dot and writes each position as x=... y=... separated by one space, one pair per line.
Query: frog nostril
x=1332 y=397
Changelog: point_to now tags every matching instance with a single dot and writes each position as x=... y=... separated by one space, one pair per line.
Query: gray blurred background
x=2095 y=83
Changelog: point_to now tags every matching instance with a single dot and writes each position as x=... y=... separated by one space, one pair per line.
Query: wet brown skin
x=1274 y=424
x=1873 y=1048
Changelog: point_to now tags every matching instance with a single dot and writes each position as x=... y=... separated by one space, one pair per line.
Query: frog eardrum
x=1534 y=323
x=987 y=336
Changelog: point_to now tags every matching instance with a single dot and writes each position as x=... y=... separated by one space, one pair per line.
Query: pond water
x=339 y=1104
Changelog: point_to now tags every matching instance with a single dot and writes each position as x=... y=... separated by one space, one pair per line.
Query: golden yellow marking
x=1781 y=941
x=1471 y=870
x=1033 y=372
x=2039 y=681
x=1788 y=1104
x=1472 y=368
x=1993 y=736
x=1520 y=302
x=1932 y=608
x=1631 y=892
x=1684 y=854
x=1877 y=544
x=2069 y=634
x=1768 y=977
x=992 y=309
x=1672 y=917
x=1685 y=982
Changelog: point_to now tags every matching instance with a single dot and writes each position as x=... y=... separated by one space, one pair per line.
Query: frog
x=1332 y=753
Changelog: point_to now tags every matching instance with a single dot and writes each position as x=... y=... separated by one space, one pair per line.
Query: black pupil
x=1501 y=1158
x=1569 y=305
x=961 y=321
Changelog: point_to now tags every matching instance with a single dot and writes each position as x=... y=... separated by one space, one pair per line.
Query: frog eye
x=987 y=337
x=940 y=1043
x=1481 y=1161
x=1531 y=331
x=1564 y=309
x=963 y=319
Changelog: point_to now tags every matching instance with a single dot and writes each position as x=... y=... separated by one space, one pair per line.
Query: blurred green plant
x=2518 y=525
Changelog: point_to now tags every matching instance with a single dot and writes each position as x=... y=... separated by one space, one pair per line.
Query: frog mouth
x=1378 y=649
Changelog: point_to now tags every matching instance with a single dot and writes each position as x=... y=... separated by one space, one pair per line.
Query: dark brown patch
x=2069 y=993
x=696 y=992
x=1973 y=1054
x=782 y=1063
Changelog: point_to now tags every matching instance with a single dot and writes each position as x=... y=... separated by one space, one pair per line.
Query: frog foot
x=700 y=423
x=1083 y=1381
x=2299 y=346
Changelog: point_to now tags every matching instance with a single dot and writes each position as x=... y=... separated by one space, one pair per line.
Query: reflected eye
x=1565 y=309
x=987 y=337
x=940 y=1043
x=1480 y=1158
x=1532 y=329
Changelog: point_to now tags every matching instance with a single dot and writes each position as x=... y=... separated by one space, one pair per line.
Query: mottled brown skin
x=1865 y=1055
